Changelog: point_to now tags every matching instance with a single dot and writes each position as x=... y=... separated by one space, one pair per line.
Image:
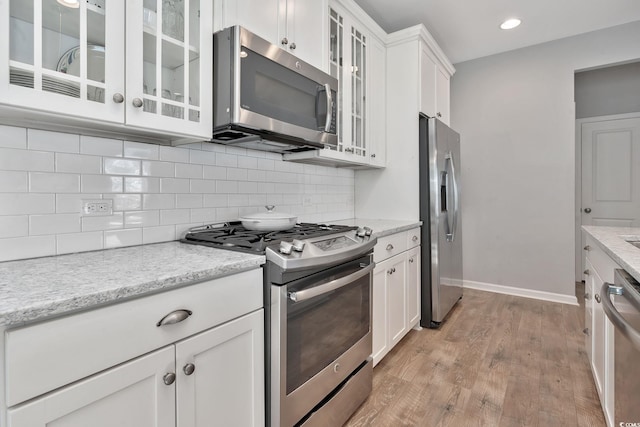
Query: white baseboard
x=521 y=292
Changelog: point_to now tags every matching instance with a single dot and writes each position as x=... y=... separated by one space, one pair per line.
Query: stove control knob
x=285 y=248
x=361 y=232
x=368 y=231
x=298 y=245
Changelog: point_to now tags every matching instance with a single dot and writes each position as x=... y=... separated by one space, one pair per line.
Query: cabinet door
x=377 y=130
x=131 y=395
x=379 y=313
x=226 y=386
x=588 y=311
x=598 y=352
x=261 y=17
x=63 y=59
x=302 y=24
x=413 y=287
x=397 y=299
x=169 y=66
x=427 y=81
x=442 y=95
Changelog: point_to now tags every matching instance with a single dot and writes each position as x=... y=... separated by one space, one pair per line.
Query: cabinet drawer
x=413 y=238
x=389 y=246
x=600 y=261
x=45 y=356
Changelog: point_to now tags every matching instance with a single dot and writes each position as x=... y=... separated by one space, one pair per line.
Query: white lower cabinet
x=396 y=290
x=190 y=357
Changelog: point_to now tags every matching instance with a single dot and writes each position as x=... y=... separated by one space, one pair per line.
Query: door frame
x=579 y=252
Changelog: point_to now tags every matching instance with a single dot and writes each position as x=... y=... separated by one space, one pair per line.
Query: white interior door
x=610 y=173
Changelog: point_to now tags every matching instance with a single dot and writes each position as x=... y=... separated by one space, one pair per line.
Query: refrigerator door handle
x=451 y=196
x=456 y=198
x=444 y=199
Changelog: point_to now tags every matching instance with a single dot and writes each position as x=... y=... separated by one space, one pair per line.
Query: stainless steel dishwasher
x=621 y=303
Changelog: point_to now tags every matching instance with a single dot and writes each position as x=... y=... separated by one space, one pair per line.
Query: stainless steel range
x=318 y=316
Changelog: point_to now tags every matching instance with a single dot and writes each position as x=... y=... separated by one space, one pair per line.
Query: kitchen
x=158 y=191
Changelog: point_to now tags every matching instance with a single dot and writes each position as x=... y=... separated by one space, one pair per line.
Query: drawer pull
x=169 y=378
x=587 y=248
x=587 y=272
x=414 y=238
x=597 y=298
x=389 y=247
x=586 y=331
x=411 y=260
x=189 y=368
x=174 y=317
x=587 y=296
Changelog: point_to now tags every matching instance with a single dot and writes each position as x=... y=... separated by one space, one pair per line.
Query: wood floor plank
x=497 y=361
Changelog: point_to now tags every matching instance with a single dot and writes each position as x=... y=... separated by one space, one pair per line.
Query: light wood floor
x=497 y=361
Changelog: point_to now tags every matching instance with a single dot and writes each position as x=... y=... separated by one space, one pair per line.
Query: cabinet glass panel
x=171 y=60
x=358 y=73
x=336 y=41
x=58 y=46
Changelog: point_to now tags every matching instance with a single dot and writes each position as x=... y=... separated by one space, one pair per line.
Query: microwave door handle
x=618 y=321
x=327 y=123
x=331 y=286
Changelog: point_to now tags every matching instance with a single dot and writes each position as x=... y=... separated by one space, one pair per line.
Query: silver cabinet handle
x=597 y=298
x=169 y=378
x=438 y=114
x=586 y=331
x=587 y=296
x=118 y=98
x=137 y=102
x=373 y=156
x=348 y=150
x=331 y=286
x=587 y=210
x=389 y=247
x=411 y=260
x=292 y=46
x=284 y=41
x=618 y=321
x=587 y=272
x=391 y=270
x=189 y=368
x=587 y=248
x=414 y=238
x=174 y=317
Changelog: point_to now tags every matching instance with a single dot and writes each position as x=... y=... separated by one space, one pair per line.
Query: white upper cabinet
x=357 y=60
x=144 y=64
x=434 y=85
x=298 y=26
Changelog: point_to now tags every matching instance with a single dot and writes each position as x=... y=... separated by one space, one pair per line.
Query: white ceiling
x=469 y=29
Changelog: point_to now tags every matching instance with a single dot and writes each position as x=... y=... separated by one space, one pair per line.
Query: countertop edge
x=608 y=238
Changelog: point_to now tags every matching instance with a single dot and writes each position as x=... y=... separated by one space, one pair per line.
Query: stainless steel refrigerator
x=439 y=158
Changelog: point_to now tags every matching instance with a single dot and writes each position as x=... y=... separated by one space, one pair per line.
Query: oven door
x=321 y=333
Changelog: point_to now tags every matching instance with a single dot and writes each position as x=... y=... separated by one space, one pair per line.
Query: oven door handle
x=331 y=286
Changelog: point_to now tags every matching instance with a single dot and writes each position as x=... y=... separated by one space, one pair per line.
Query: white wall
x=515 y=114
x=158 y=192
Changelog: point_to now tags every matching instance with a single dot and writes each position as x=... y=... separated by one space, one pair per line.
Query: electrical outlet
x=97 y=207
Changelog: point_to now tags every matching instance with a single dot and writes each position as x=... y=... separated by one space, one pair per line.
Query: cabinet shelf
x=173 y=50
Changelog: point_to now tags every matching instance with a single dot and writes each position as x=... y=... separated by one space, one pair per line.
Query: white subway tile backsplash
x=23 y=160
x=40 y=182
x=101 y=184
x=174 y=154
x=109 y=222
x=121 y=167
x=54 y=224
x=27 y=247
x=161 y=169
x=13 y=137
x=141 y=185
x=125 y=202
x=214 y=172
x=120 y=238
x=137 y=219
x=101 y=146
x=184 y=170
x=158 y=192
x=53 y=141
x=174 y=216
x=174 y=185
x=14 y=226
x=158 y=201
x=158 y=234
x=13 y=182
x=79 y=242
x=189 y=201
x=78 y=163
x=138 y=150
x=26 y=203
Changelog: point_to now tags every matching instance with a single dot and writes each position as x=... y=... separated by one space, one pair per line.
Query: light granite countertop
x=612 y=241
x=35 y=289
x=381 y=227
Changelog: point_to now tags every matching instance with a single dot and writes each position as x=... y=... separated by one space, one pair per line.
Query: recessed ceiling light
x=70 y=3
x=510 y=23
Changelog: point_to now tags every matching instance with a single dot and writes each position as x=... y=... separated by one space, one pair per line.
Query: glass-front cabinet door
x=169 y=71
x=63 y=56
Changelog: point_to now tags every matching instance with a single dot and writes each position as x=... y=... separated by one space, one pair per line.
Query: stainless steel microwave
x=267 y=99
